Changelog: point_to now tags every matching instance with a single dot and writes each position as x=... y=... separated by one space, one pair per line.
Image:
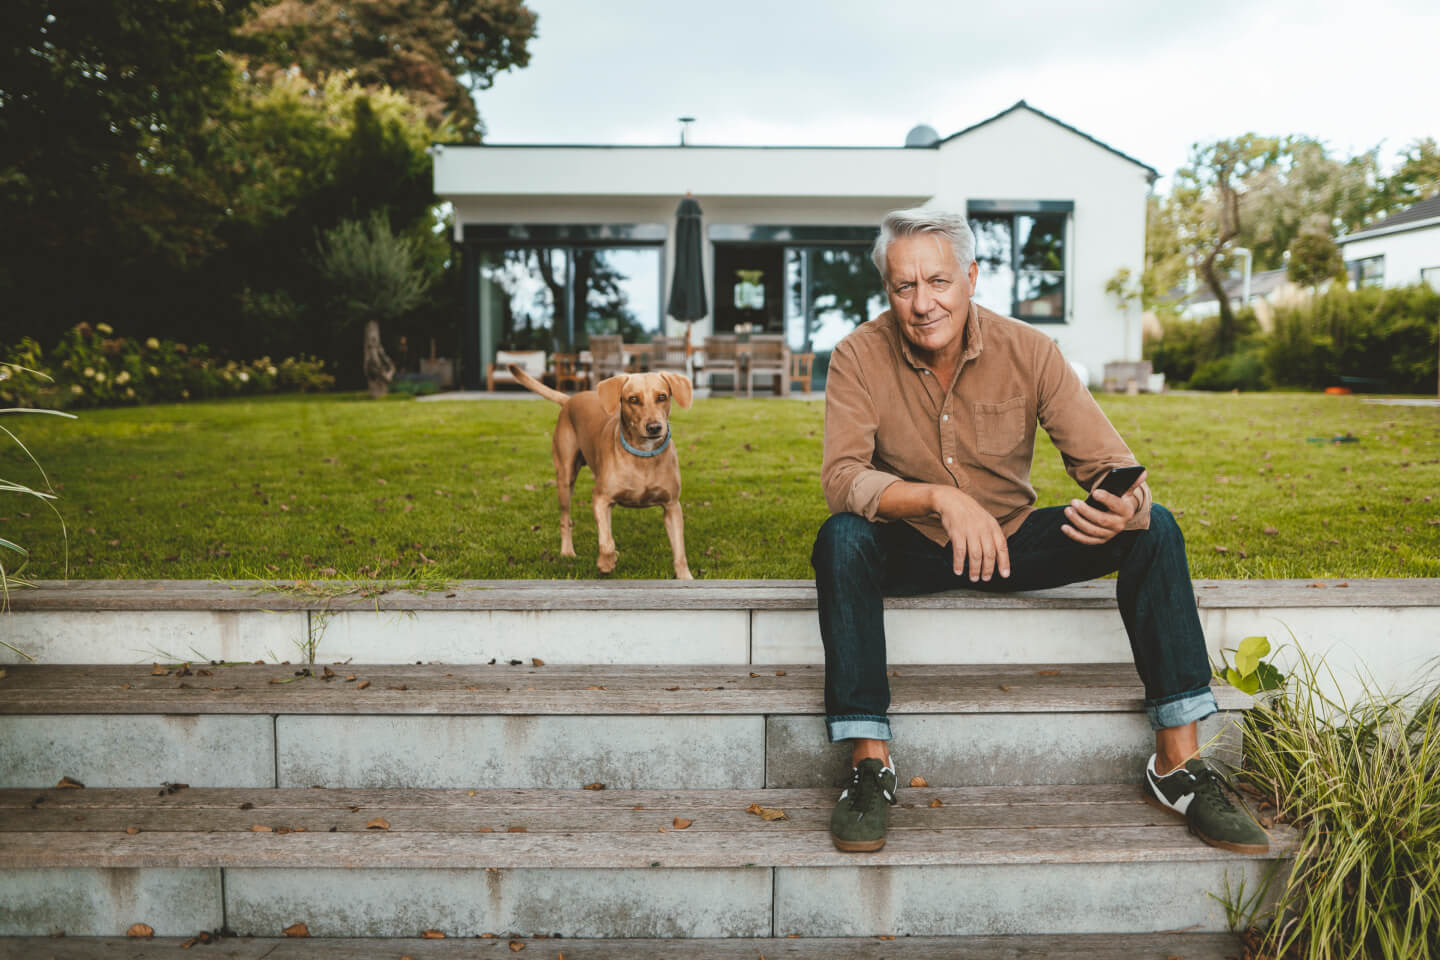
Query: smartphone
x=1117 y=481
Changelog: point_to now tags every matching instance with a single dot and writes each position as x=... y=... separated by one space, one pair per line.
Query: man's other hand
x=976 y=540
x=1093 y=526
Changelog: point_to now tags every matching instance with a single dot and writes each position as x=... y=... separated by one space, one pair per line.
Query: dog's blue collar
x=644 y=453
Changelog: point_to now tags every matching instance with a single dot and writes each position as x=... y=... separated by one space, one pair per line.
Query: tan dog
x=622 y=430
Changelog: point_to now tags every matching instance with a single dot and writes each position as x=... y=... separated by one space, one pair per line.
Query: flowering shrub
x=91 y=368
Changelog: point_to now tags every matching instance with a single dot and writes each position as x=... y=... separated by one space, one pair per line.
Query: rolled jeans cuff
x=857 y=727
x=1181 y=709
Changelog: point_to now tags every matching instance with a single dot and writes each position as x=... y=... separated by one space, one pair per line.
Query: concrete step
x=632 y=727
x=1080 y=859
x=1148 y=946
x=735 y=622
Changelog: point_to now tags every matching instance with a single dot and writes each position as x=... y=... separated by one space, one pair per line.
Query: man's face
x=929 y=293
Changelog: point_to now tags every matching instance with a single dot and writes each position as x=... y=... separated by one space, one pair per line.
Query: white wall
x=1022 y=156
x=1406 y=253
x=1019 y=156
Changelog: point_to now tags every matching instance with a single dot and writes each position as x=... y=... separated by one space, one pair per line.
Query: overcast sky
x=1148 y=78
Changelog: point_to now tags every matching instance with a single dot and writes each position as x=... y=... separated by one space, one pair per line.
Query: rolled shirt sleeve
x=848 y=475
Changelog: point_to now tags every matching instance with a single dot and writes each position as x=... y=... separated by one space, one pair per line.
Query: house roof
x=1022 y=105
x=1262 y=284
x=1409 y=218
x=1018 y=105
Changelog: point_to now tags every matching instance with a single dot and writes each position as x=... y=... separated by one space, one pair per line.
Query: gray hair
x=904 y=223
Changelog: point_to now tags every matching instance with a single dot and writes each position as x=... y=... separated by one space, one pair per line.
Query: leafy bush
x=1184 y=346
x=1237 y=371
x=90 y=368
x=1384 y=335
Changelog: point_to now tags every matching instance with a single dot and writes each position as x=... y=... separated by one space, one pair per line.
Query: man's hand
x=976 y=540
x=1093 y=527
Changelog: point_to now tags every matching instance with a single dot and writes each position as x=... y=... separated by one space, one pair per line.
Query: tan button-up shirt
x=887 y=419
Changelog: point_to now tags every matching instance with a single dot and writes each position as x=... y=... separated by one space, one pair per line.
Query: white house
x=559 y=242
x=1400 y=250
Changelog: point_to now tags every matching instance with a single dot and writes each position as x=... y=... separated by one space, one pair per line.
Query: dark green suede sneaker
x=1202 y=797
x=858 y=823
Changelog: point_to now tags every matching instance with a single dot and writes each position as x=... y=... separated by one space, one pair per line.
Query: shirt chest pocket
x=999 y=427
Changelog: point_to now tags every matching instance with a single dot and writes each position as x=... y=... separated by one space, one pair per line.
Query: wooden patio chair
x=721 y=358
x=608 y=355
x=568 y=372
x=668 y=353
x=802 y=366
x=769 y=357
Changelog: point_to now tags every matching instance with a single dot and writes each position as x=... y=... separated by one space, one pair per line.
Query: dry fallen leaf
x=754 y=674
x=1004 y=688
x=516 y=946
x=918 y=782
x=247 y=805
x=937 y=802
x=537 y=661
x=672 y=688
x=132 y=830
x=261 y=828
x=362 y=684
x=779 y=673
x=1047 y=673
x=516 y=830
x=485 y=830
x=379 y=823
x=433 y=935
x=766 y=813
x=297 y=930
x=158 y=671
x=594 y=786
x=140 y=930
x=68 y=784
x=682 y=824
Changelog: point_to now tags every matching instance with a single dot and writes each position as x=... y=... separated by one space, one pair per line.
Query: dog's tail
x=535 y=385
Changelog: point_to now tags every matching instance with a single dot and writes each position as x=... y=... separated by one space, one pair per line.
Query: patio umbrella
x=687 y=286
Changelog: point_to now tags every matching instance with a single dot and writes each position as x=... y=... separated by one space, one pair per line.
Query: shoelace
x=862 y=790
x=1217 y=783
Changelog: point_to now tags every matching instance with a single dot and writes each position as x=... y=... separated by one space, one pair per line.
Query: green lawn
x=341 y=486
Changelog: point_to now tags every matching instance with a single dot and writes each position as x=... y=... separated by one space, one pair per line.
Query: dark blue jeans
x=857 y=563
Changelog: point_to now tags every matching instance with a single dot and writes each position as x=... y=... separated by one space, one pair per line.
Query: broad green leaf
x=1269 y=677
x=1248 y=683
x=1251 y=649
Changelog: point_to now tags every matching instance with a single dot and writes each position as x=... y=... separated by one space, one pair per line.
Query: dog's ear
x=609 y=391
x=680 y=388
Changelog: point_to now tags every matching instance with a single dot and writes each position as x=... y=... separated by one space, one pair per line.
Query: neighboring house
x=1268 y=289
x=1401 y=250
x=560 y=242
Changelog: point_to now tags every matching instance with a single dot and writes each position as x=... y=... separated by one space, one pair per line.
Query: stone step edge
x=628 y=595
x=1133 y=946
x=1099 y=824
x=561 y=690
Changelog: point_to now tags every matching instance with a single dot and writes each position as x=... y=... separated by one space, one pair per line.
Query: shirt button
x=944 y=416
x=949 y=459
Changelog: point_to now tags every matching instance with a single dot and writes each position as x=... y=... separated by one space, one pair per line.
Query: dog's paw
x=606 y=562
x=683 y=574
x=567 y=551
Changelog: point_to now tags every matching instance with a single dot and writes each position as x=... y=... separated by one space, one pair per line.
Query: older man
x=930 y=414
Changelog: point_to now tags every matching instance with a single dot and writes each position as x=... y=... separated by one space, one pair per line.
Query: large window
x=1021 y=258
x=550 y=287
x=1369 y=272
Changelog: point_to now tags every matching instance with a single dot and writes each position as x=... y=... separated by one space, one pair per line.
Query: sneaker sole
x=858 y=846
x=1230 y=845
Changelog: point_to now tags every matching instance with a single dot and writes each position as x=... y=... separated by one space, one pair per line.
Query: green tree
x=1417 y=178
x=105 y=154
x=376 y=278
x=1313 y=259
x=437 y=52
x=1211 y=193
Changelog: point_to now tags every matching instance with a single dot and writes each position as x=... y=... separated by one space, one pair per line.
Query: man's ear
x=680 y=388
x=609 y=391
